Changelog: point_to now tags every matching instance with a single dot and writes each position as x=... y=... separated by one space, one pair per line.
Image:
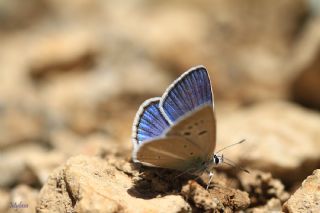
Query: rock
x=307 y=197
x=91 y=184
x=42 y=164
x=219 y=198
x=13 y=17
x=20 y=124
x=200 y=197
x=65 y=141
x=16 y=89
x=306 y=64
x=281 y=138
x=243 y=56
x=262 y=187
x=306 y=85
x=27 y=164
x=23 y=198
x=96 y=144
x=61 y=52
x=232 y=199
x=4 y=200
x=13 y=167
x=273 y=205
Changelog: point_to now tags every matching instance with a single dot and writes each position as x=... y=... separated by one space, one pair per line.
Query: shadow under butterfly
x=178 y=130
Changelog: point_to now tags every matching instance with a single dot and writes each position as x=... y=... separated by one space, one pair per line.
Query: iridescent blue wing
x=185 y=146
x=187 y=93
x=149 y=122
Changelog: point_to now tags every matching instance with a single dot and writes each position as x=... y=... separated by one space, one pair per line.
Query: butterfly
x=178 y=130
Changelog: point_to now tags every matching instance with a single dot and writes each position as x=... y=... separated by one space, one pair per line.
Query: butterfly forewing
x=187 y=93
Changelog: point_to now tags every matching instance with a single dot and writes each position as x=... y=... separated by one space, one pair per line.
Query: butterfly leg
x=210 y=176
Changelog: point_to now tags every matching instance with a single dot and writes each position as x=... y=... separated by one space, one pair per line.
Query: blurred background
x=73 y=74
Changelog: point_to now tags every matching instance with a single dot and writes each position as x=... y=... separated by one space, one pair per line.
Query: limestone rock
x=245 y=58
x=281 y=138
x=14 y=17
x=200 y=197
x=218 y=198
x=4 y=200
x=262 y=187
x=307 y=197
x=273 y=205
x=27 y=164
x=91 y=184
x=61 y=52
x=20 y=124
x=23 y=198
x=307 y=81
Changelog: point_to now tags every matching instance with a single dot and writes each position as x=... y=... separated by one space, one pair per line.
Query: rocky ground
x=73 y=75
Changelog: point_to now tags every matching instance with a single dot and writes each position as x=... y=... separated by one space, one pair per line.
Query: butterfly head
x=217 y=159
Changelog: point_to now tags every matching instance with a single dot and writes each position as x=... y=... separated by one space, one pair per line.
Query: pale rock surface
x=306 y=83
x=307 y=197
x=91 y=184
x=24 y=198
x=273 y=206
x=4 y=200
x=200 y=197
x=19 y=124
x=281 y=138
x=27 y=164
x=262 y=187
x=246 y=58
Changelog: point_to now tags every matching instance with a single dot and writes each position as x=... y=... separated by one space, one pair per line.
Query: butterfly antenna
x=243 y=140
x=235 y=165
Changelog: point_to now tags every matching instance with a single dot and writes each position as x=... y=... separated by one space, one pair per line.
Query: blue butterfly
x=178 y=130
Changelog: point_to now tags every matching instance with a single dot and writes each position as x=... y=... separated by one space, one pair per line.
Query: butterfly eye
x=216 y=159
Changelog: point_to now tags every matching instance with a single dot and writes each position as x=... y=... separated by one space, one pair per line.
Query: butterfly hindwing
x=169 y=152
x=149 y=122
x=198 y=127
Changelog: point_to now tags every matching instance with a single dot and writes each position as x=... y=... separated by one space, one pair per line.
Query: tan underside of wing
x=170 y=152
x=199 y=128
